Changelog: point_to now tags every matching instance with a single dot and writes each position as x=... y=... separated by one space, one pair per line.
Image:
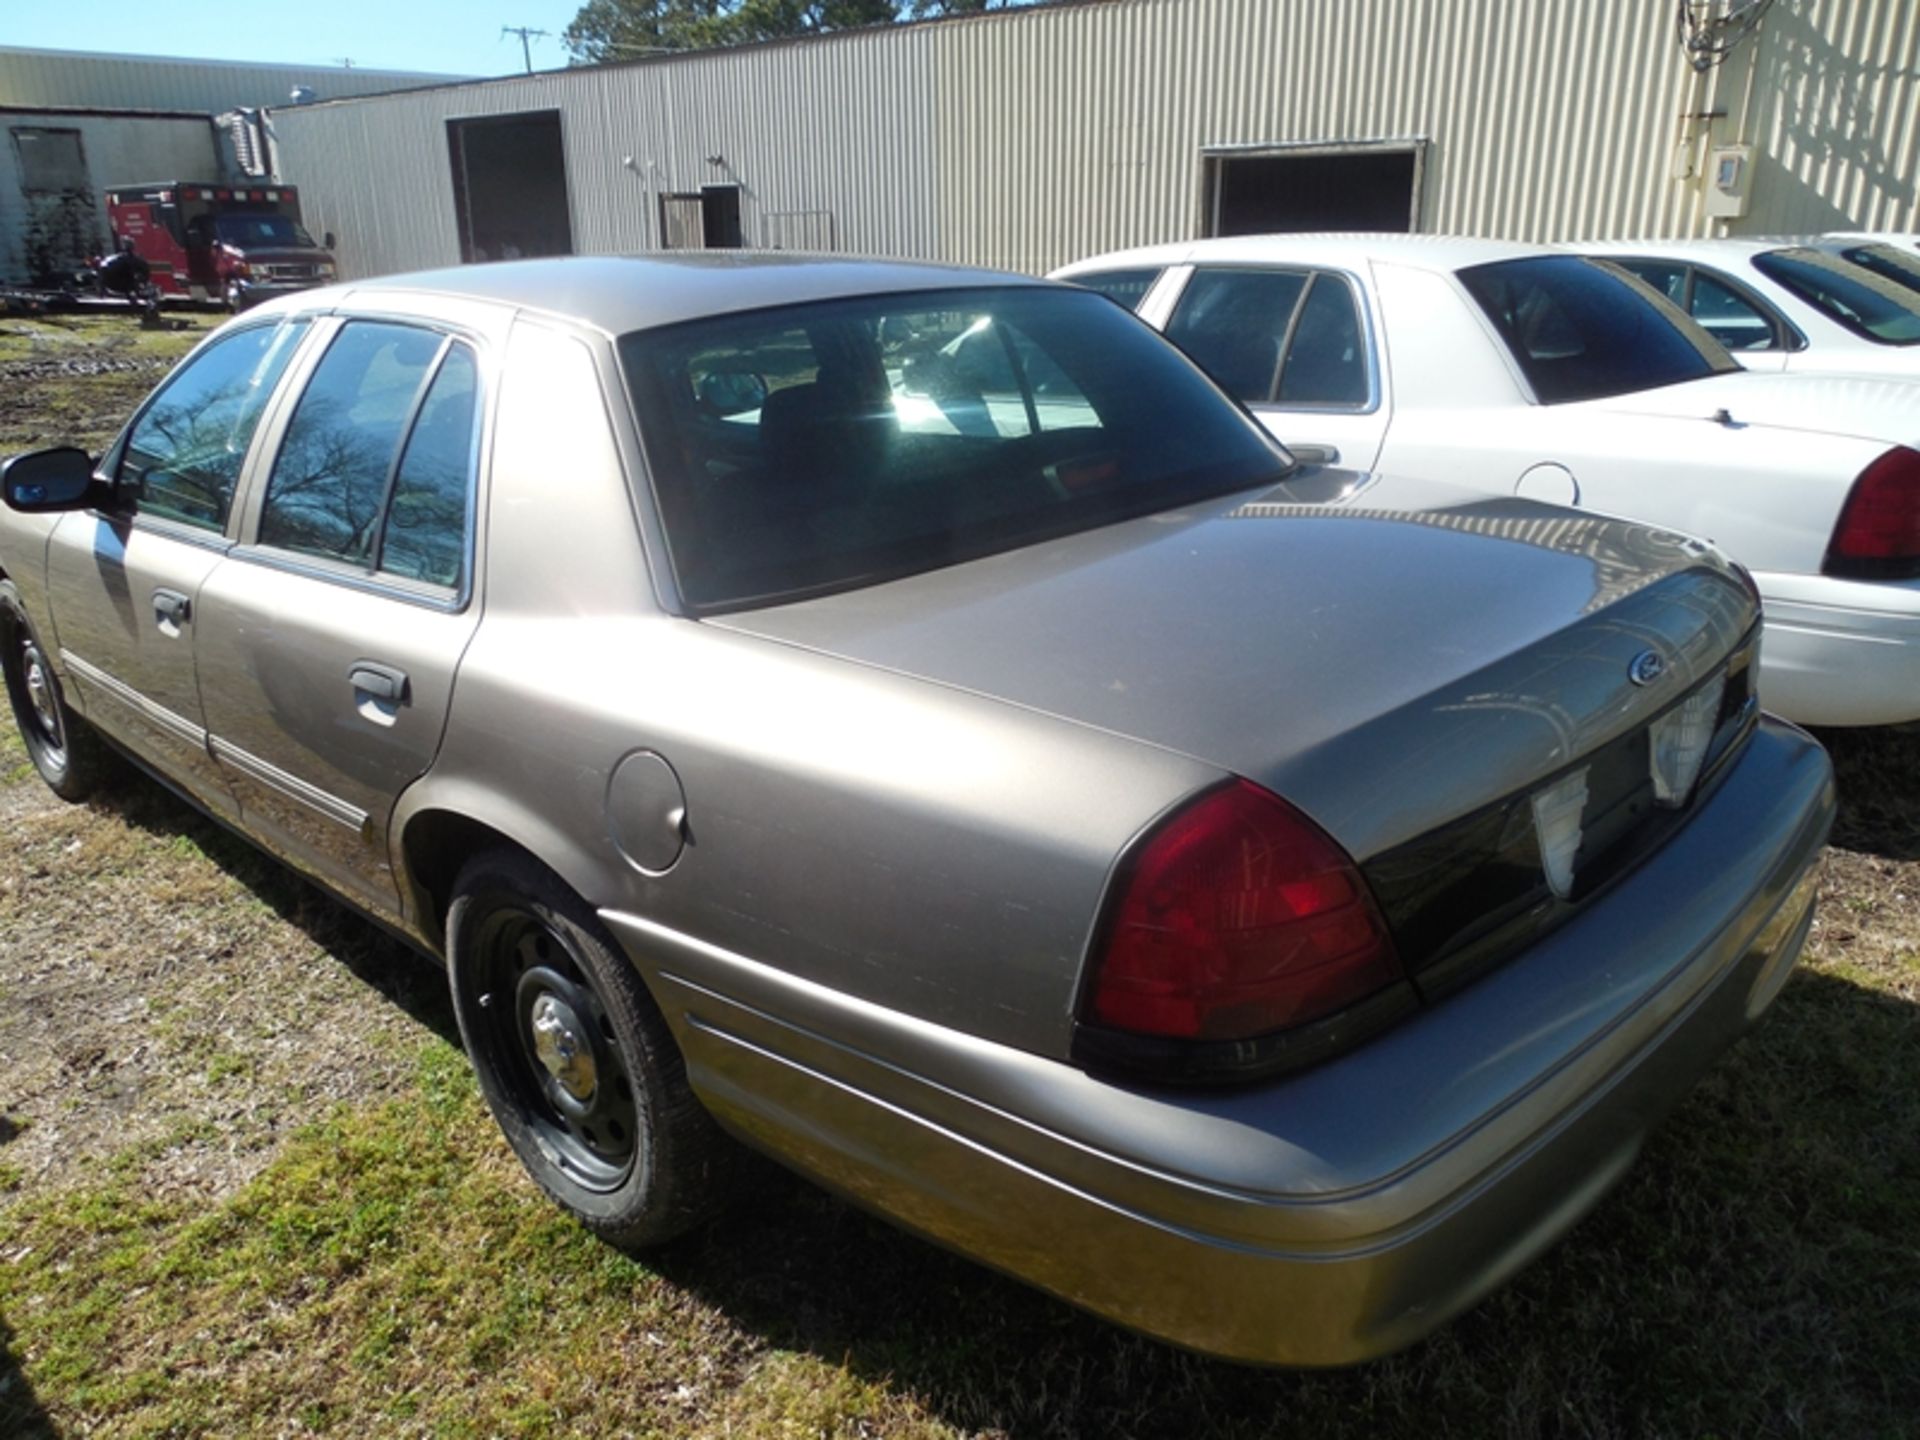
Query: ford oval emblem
x=1647 y=667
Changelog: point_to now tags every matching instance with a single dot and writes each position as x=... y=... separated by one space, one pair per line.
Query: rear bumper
x=1840 y=652
x=1326 y=1218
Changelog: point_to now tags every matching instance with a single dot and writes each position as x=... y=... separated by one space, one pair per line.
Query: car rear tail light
x=1878 y=537
x=1236 y=918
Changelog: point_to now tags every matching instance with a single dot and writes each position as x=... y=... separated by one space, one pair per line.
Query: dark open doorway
x=510 y=186
x=1286 y=189
x=703 y=219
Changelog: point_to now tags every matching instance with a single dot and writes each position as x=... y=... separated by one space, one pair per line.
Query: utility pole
x=527 y=35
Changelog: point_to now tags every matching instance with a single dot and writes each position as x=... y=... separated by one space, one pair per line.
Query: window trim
x=272 y=434
x=1355 y=291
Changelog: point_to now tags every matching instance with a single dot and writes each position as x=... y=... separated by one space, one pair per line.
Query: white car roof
x=1427 y=252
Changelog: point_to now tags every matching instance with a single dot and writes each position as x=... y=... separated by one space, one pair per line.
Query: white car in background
x=1794 y=305
x=1548 y=375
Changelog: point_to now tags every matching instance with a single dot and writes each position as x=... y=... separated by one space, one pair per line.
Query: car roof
x=1426 y=252
x=1727 y=248
x=621 y=293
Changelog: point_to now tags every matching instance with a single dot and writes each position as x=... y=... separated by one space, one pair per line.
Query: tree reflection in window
x=184 y=454
x=426 y=534
x=328 y=488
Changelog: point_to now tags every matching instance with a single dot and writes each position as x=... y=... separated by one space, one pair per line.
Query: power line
x=527 y=36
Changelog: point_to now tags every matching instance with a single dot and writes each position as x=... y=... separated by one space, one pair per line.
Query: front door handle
x=379 y=682
x=171 y=611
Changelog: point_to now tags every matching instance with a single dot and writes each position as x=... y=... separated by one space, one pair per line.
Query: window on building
x=51 y=161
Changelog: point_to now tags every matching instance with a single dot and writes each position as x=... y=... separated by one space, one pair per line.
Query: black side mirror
x=43 y=481
x=326 y=241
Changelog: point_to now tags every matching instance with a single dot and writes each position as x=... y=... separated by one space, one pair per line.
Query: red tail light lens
x=1878 y=537
x=1237 y=918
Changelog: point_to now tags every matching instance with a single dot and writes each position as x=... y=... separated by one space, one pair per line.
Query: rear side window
x=1727 y=315
x=1326 y=359
x=183 y=457
x=375 y=468
x=1233 y=323
x=1123 y=287
x=1871 y=306
x=1581 y=329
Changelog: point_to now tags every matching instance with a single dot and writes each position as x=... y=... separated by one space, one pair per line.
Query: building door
x=705 y=219
x=510 y=186
x=1287 y=189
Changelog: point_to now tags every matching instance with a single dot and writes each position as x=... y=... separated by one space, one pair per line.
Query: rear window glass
x=1889 y=262
x=1124 y=287
x=1871 y=306
x=1582 y=329
x=837 y=444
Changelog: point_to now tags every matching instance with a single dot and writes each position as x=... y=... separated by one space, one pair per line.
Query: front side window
x=843 y=443
x=1123 y=287
x=183 y=456
x=375 y=470
x=1584 y=329
x=1871 y=306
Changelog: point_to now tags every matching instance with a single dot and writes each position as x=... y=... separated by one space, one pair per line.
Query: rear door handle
x=171 y=609
x=379 y=682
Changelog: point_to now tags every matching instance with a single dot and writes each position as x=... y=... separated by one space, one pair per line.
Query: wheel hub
x=560 y=1047
x=40 y=690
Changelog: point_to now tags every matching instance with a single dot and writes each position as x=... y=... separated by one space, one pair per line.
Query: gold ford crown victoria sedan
x=910 y=721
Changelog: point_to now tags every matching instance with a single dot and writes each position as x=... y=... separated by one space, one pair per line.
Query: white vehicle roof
x=1443 y=253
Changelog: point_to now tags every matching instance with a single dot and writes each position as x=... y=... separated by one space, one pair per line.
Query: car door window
x=328 y=489
x=182 y=459
x=1326 y=360
x=426 y=527
x=1233 y=323
x=1728 y=316
x=1123 y=287
x=1669 y=277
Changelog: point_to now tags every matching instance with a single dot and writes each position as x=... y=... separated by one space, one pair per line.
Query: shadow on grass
x=1878 y=774
x=21 y=1417
x=404 y=976
x=1755 y=1272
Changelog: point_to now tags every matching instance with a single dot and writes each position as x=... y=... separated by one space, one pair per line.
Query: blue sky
x=460 y=37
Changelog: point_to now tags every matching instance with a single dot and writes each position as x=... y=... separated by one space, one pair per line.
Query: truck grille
x=1468 y=896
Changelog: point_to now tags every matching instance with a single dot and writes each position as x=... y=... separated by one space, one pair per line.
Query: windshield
x=258 y=231
x=829 y=445
x=1889 y=262
x=1871 y=306
x=1584 y=329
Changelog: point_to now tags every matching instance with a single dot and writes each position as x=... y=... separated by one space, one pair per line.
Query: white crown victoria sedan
x=1526 y=371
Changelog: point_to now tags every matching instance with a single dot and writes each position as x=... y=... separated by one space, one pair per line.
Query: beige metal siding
x=139 y=82
x=56 y=232
x=1028 y=138
x=843 y=128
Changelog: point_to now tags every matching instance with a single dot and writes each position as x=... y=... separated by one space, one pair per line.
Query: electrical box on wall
x=1728 y=181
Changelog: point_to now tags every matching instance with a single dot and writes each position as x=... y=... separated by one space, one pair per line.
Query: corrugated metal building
x=1026 y=138
x=30 y=77
x=77 y=123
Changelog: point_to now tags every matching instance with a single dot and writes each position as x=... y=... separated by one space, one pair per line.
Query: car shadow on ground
x=1705 y=1282
x=21 y=1417
x=1878 y=774
x=405 y=977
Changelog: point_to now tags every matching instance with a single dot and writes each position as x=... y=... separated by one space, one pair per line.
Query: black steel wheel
x=69 y=757
x=575 y=1059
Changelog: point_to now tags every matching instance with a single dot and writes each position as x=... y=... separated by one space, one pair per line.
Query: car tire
x=576 y=1061
x=64 y=749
